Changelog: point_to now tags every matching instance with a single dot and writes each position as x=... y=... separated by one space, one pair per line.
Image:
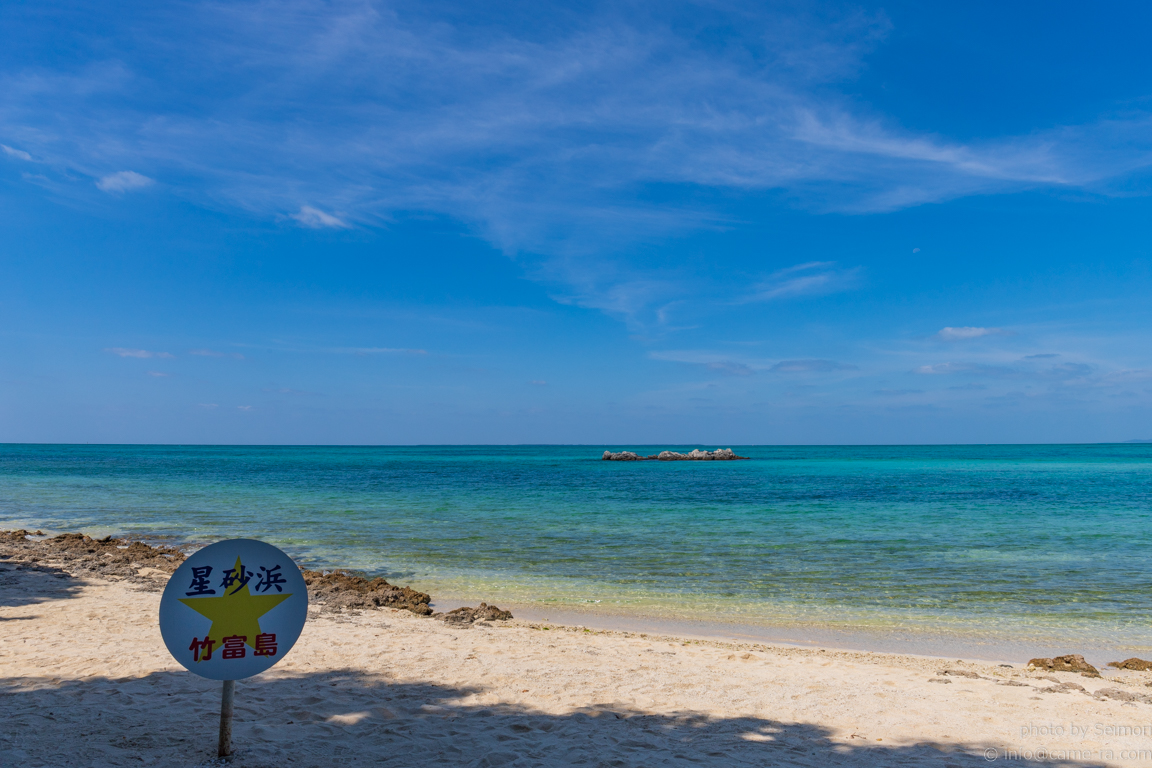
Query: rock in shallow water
x=622 y=456
x=720 y=454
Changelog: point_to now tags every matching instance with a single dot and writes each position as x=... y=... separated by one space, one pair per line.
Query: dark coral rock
x=342 y=590
x=1073 y=662
x=468 y=616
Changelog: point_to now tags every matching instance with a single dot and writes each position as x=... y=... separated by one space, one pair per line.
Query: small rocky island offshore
x=720 y=454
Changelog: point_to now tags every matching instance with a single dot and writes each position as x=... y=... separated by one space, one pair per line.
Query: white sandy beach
x=88 y=682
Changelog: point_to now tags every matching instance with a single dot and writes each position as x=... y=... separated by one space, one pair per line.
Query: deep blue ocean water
x=1013 y=541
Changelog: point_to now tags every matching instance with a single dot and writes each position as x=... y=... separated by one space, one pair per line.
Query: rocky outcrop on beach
x=1073 y=662
x=147 y=564
x=106 y=557
x=342 y=590
x=464 y=617
x=720 y=454
x=1138 y=665
x=1122 y=695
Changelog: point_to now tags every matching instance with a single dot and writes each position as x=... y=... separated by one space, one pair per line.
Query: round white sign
x=233 y=609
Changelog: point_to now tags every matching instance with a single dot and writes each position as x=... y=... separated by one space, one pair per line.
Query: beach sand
x=88 y=682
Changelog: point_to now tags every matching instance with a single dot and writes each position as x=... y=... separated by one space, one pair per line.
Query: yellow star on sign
x=235 y=613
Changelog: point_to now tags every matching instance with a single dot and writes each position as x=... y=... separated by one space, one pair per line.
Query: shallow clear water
x=1005 y=541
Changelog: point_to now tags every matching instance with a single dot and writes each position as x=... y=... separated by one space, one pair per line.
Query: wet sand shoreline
x=899 y=642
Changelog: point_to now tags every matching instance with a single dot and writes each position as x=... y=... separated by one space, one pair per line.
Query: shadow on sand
x=32 y=583
x=348 y=719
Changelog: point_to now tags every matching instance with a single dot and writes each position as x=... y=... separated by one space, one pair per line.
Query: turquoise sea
x=1047 y=545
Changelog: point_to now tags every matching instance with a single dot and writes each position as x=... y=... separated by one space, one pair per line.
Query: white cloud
x=724 y=364
x=637 y=299
x=815 y=278
x=731 y=368
x=123 y=181
x=317 y=219
x=213 y=353
x=713 y=361
x=944 y=368
x=382 y=351
x=973 y=369
x=967 y=332
x=1062 y=372
x=810 y=366
x=688 y=356
x=243 y=407
x=18 y=153
x=158 y=374
x=141 y=353
x=1132 y=374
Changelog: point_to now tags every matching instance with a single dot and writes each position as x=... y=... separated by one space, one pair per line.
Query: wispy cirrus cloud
x=967 y=332
x=559 y=138
x=380 y=351
x=314 y=218
x=979 y=369
x=712 y=360
x=123 y=181
x=139 y=353
x=17 y=153
x=640 y=300
x=1060 y=372
x=730 y=367
x=721 y=363
x=539 y=135
x=214 y=353
x=810 y=366
x=815 y=278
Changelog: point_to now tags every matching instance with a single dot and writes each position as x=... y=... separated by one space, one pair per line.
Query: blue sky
x=620 y=223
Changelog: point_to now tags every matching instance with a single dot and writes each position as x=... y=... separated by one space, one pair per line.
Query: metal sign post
x=226 y=700
x=230 y=611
